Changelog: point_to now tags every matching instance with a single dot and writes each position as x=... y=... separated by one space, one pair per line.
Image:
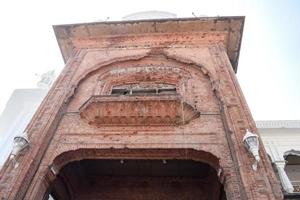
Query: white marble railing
x=278 y=124
x=296 y=185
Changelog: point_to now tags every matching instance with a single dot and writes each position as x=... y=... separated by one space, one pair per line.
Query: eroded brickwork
x=197 y=61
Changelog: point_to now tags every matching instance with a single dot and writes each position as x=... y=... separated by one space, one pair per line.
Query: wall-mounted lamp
x=20 y=143
x=251 y=143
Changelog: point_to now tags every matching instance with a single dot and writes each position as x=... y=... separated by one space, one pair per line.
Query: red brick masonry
x=197 y=56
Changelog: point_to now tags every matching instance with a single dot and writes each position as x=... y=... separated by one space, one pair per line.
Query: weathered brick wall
x=152 y=188
x=203 y=77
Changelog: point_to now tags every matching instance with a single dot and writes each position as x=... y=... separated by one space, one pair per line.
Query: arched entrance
x=125 y=178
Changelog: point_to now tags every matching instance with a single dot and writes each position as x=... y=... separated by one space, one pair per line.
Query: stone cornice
x=68 y=36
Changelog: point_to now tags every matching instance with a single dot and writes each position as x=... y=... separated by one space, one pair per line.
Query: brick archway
x=150 y=155
x=191 y=154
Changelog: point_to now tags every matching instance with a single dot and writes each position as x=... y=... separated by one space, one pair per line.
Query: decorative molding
x=292 y=152
x=166 y=109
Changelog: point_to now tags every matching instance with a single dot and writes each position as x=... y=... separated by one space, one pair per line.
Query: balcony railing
x=296 y=185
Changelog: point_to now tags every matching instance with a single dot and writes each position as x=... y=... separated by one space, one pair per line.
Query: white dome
x=149 y=15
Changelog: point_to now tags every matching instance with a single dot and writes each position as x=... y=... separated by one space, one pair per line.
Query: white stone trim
x=278 y=124
x=285 y=181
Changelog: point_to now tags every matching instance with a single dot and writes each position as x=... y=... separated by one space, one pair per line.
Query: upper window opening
x=144 y=88
x=120 y=91
x=167 y=91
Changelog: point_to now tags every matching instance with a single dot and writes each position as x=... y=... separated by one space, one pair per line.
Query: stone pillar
x=285 y=181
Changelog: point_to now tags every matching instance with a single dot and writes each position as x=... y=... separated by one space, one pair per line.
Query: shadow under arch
x=178 y=169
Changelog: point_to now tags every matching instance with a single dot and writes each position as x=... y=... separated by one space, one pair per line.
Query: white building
x=18 y=112
x=150 y=15
x=282 y=142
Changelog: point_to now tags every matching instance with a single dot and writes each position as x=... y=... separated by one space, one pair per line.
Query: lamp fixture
x=20 y=142
x=251 y=143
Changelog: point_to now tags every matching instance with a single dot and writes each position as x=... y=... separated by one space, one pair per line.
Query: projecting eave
x=232 y=27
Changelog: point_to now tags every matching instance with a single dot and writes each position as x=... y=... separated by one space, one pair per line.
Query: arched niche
x=88 y=68
x=192 y=82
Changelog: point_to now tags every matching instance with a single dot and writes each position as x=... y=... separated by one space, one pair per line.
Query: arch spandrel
x=94 y=59
x=197 y=56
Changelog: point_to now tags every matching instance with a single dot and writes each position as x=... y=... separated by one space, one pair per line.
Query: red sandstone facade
x=143 y=91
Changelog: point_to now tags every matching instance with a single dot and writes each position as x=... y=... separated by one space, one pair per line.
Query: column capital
x=280 y=163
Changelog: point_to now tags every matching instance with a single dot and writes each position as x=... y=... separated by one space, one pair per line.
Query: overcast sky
x=269 y=64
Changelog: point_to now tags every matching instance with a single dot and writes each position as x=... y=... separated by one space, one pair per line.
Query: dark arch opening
x=136 y=179
x=292 y=169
